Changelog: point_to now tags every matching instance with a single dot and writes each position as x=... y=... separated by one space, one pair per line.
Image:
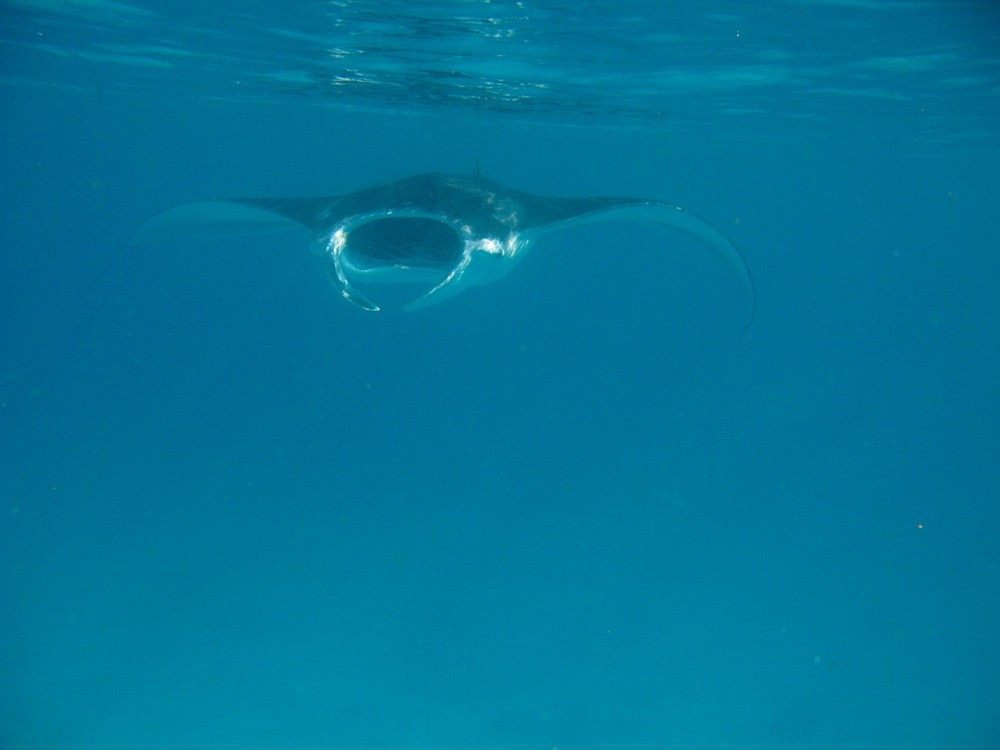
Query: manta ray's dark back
x=483 y=204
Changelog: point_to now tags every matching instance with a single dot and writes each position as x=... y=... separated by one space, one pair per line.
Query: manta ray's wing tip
x=752 y=294
x=704 y=232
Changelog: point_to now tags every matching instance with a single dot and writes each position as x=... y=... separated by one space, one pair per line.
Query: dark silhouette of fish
x=448 y=232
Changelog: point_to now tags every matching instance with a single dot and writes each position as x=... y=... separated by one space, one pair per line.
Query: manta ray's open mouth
x=402 y=242
x=410 y=254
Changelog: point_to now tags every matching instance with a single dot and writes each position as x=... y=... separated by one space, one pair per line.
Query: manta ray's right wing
x=566 y=212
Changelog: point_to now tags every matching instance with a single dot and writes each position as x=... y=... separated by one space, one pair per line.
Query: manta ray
x=445 y=232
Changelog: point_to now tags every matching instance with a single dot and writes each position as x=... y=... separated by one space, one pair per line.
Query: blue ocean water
x=579 y=508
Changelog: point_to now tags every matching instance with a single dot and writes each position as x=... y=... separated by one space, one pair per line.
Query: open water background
x=575 y=509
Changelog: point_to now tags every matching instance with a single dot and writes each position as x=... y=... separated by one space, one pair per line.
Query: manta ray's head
x=391 y=259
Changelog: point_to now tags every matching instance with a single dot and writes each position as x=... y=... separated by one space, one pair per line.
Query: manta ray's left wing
x=243 y=216
x=248 y=216
x=237 y=217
